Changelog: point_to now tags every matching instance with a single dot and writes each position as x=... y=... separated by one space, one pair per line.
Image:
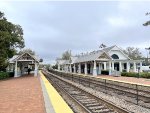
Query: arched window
x=114 y=56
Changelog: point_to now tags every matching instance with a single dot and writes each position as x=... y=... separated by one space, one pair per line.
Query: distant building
x=112 y=59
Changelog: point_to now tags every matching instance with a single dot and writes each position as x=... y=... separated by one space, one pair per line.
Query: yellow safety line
x=59 y=105
x=124 y=81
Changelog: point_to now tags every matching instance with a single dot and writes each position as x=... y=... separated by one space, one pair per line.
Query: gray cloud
x=50 y=28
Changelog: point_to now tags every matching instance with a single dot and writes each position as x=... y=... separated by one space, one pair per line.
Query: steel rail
x=107 y=103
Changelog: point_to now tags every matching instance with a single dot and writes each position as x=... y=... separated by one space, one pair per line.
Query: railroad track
x=130 y=94
x=88 y=102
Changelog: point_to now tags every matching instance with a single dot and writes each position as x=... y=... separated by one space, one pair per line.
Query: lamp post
x=148 y=49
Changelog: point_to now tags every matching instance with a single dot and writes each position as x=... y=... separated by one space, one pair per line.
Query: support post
x=104 y=65
x=109 y=67
x=140 y=66
x=79 y=68
x=94 y=69
x=120 y=66
x=65 y=68
x=99 y=67
x=70 y=68
x=74 y=67
x=128 y=66
x=59 y=67
x=85 y=69
x=112 y=65
x=16 y=70
x=134 y=67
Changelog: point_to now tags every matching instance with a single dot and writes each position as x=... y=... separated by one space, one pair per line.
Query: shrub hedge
x=4 y=75
x=104 y=72
x=133 y=74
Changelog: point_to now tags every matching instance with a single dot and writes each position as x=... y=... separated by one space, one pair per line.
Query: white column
x=112 y=66
x=62 y=67
x=59 y=67
x=79 y=68
x=104 y=65
x=109 y=67
x=94 y=69
x=70 y=69
x=128 y=66
x=85 y=69
x=134 y=67
x=16 y=70
x=74 y=68
x=36 y=70
x=120 y=66
x=140 y=66
x=65 y=68
x=99 y=68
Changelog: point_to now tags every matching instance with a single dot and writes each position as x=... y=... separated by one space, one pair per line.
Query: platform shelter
x=21 y=63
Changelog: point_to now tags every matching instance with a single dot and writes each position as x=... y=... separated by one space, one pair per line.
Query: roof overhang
x=17 y=59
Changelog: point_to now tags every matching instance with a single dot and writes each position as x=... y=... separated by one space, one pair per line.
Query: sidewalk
x=21 y=95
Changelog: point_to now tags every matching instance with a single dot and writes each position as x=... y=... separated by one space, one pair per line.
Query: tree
x=11 y=38
x=27 y=51
x=44 y=66
x=147 y=22
x=66 y=55
x=55 y=66
x=133 y=53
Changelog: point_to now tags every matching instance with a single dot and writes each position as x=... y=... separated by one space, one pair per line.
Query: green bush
x=105 y=72
x=4 y=75
x=133 y=74
x=124 y=70
x=145 y=75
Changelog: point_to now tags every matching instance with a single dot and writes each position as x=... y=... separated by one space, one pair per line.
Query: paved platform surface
x=21 y=95
x=57 y=102
x=130 y=80
x=140 y=81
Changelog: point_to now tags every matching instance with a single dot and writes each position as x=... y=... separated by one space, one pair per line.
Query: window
x=114 y=56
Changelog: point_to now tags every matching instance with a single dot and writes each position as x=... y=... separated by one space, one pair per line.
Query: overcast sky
x=50 y=28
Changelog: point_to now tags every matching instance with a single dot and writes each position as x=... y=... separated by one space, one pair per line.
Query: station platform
x=54 y=103
x=130 y=80
x=21 y=95
x=30 y=94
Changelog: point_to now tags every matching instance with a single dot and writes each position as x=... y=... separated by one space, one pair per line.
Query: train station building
x=19 y=64
x=111 y=59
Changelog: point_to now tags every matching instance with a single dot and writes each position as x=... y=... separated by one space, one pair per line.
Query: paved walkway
x=131 y=80
x=21 y=95
x=141 y=81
